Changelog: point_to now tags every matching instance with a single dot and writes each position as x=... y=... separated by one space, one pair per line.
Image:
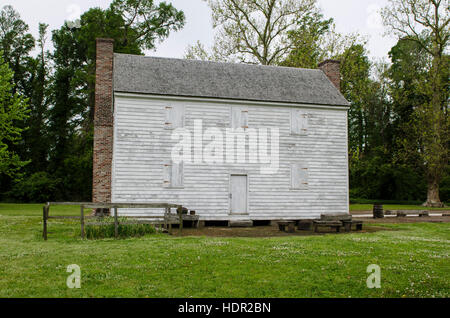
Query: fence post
x=44 y=219
x=170 y=221
x=116 y=224
x=166 y=218
x=180 y=210
x=82 y=222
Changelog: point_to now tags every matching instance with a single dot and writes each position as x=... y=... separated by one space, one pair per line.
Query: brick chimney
x=103 y=122
x=332 y=70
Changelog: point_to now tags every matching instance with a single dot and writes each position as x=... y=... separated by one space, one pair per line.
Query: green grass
x=36 y=209
x=414 y=261
x=106 y=229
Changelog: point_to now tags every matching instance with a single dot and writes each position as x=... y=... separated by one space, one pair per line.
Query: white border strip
x=230 y=101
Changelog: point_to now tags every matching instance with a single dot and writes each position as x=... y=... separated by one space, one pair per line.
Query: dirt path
x=273 y=231
x=408 y=219
x=257 y=231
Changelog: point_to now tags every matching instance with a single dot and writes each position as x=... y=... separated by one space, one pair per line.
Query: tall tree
x=135 y=25
x=356 y=87
x=16 y=44
x=35 y=141
x=315 y=39
x=13 y=110
x=307 y=39
x=253 y=31
x=427 y=23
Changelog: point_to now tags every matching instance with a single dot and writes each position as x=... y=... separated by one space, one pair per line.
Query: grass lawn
x=414 y=261
x=36 y=209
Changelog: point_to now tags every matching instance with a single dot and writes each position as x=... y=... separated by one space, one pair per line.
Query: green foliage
x=16 y=44
x=307 y=40
x=427 y=24
x=444 y=187
x=107 y=229
x=144 y=22
x=378 y=178
x=134 y=26
x=13 y=110
x=398 y=121
x=60 y=88
x=38 y=187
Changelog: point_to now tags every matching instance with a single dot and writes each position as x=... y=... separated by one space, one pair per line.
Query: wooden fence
x=168 y=218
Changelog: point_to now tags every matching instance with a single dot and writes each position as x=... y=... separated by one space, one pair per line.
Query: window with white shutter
x=299 y=122
x=174 y=117
x=299 y=177
x=239 y=117
x=173 y=175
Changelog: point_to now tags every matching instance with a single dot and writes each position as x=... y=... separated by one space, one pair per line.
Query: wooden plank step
x=328 y=223
x=409 y=212
x=335 y=217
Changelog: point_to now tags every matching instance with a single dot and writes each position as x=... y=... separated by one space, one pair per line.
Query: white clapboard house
x=289 y=148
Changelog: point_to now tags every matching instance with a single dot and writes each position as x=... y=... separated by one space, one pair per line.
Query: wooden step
x=336 y=217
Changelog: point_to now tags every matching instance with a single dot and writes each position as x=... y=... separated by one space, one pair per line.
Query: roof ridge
x=223 y=63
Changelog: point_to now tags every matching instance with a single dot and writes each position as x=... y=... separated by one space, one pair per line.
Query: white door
x=238 y=194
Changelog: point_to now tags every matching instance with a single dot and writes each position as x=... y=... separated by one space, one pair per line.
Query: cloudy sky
x=350 y=16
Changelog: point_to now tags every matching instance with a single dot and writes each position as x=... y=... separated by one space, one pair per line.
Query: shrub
x=376 y=177
x=399 y=202
x=39 y=187
x=106 y=229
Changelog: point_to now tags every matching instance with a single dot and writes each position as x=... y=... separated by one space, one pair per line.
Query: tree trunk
x=433 y=196
x=437 y=154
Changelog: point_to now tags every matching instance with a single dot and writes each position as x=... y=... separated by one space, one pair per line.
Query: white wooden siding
x=142 y=145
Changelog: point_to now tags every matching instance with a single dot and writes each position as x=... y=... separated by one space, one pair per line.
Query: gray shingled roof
x=176 y=77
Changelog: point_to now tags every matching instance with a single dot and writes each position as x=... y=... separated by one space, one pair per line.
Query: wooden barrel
x=378 y=212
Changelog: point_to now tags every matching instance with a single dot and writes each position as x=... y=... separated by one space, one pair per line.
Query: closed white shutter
x=173 y=175
x=244 y=118
x=299 y=122
x=177 y=175
x=174 y=117
x=239 y=117
x=167 y=175
x=299 y=177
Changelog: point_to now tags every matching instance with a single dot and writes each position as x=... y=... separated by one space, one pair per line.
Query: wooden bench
x=404 y=213
x=348 y=225
x=290 y=225
x=331 y=224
